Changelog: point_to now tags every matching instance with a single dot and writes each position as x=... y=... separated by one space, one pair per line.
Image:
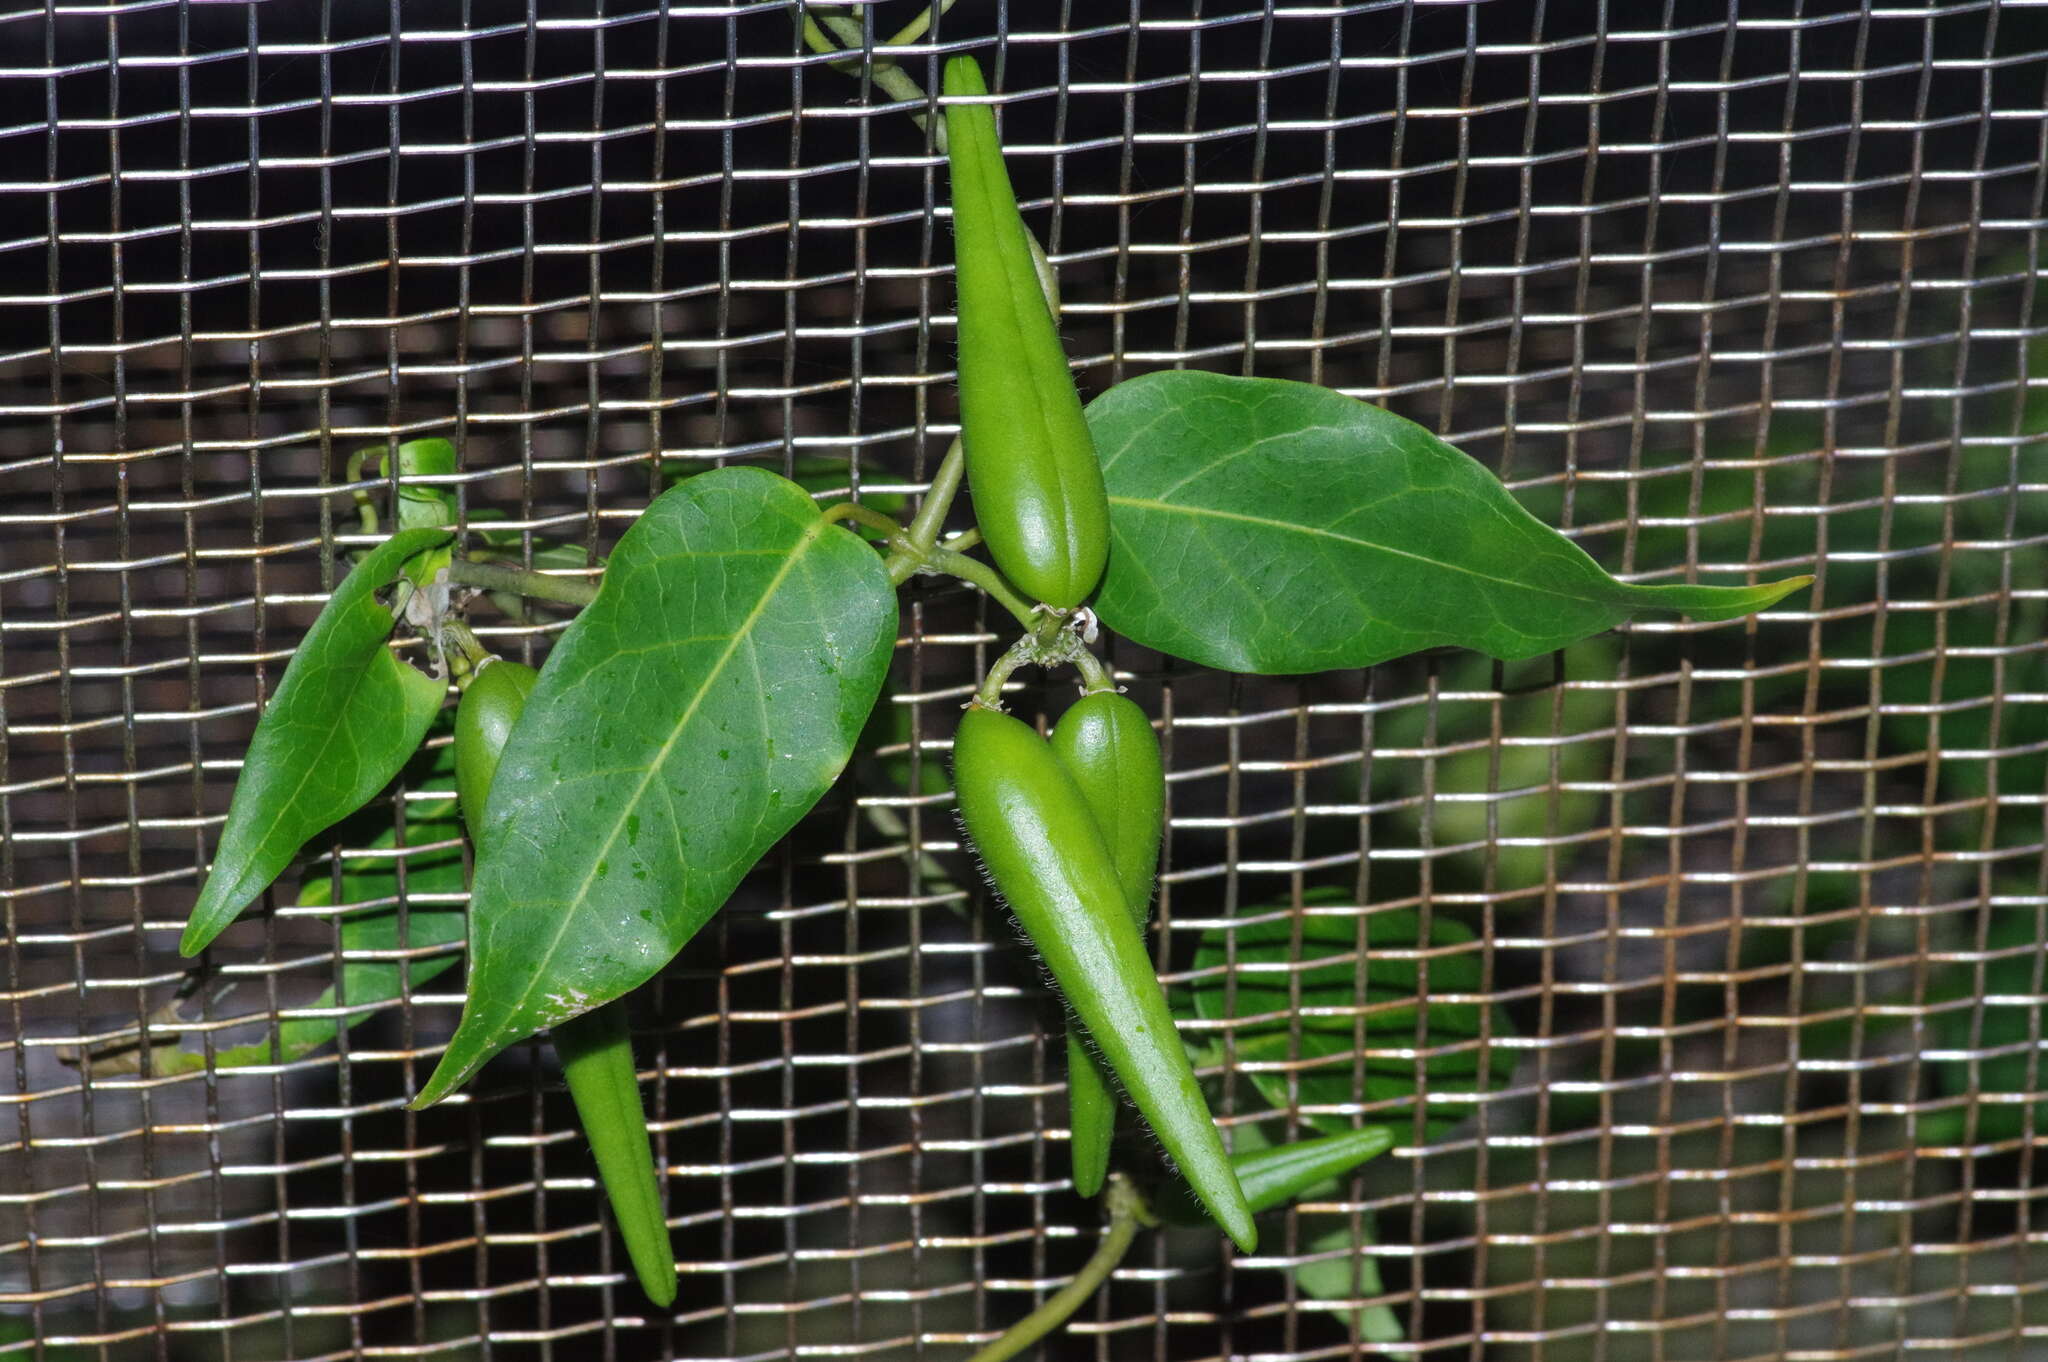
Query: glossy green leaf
x=1332 y=1021
x=344 y=719
x=432 y=865
x=1265 y=526
x=688 y=717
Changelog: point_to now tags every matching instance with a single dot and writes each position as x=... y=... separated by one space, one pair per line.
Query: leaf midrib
x=569 y=912
x=1316 y=531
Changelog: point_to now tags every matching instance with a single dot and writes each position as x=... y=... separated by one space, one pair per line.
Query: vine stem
x=1127 y=1212
x=924 y=526
x=366 y=509
x=538 y=586
x=884 y=72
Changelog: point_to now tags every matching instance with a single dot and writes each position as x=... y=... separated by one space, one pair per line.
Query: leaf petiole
x=980 y=574
x=868 y=518
x=539 y=586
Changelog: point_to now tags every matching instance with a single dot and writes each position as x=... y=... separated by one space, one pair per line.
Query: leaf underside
x=1264 y=526
x=686 y=720
x=346 y=716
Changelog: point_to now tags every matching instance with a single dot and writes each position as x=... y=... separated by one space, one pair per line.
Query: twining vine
x=714 y=684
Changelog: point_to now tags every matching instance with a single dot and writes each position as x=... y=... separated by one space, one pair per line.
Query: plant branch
x=867 y=517
x=924 y=526
x=539 y=586
x=987 y=578
x=1127 y=1211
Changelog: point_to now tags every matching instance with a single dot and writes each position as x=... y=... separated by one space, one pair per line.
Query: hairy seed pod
x=1042 y=850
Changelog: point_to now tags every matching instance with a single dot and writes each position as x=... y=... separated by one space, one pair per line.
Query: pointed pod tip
x=660 y=1287
x=962 y=76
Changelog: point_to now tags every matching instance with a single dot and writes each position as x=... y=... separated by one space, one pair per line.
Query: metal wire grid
x=1745 y=289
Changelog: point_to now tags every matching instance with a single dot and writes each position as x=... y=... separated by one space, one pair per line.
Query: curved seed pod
x=489 y=707
x=1091 y=1114
x=1031 y=464
x=595 y=1048
x=1277 y=1175
x=1106 y=742
x=1043 y=852
x=596 y=1051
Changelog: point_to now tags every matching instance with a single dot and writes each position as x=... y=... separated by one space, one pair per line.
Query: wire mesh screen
x=1755 y=910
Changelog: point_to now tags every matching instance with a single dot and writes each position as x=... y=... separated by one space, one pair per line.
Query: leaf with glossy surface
x=1345 y=1015
x=688 y=718
x=346 y=716
x=1264 y=526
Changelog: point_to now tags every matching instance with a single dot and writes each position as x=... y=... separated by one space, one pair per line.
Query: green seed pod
x=483 y=720
x=1091 y=1114
x=595 y=1048
x=1106 y=742
x=1107 y=745
x=1277 y=1175
x=1043 y=852
x=1031 y=464
x=596 y=1051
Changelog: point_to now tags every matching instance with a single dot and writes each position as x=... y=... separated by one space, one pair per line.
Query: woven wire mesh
x=1749 y=290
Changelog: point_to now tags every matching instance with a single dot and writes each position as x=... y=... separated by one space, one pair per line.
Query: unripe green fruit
x=1043 y=851
x=483 y=721
x=1107 y=744
x=1274 y=1176
x=1031 y=465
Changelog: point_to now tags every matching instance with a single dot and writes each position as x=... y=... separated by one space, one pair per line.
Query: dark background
x=1714 y=294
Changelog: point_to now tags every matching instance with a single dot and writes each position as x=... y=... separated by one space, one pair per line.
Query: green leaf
x=1341 y=1272
x=1265 y=526
x=1332 y=1021
x=433 y=865
x=688 y=718
x=345 y=718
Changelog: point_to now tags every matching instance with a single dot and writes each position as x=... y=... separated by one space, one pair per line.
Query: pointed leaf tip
x=1264 y=526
